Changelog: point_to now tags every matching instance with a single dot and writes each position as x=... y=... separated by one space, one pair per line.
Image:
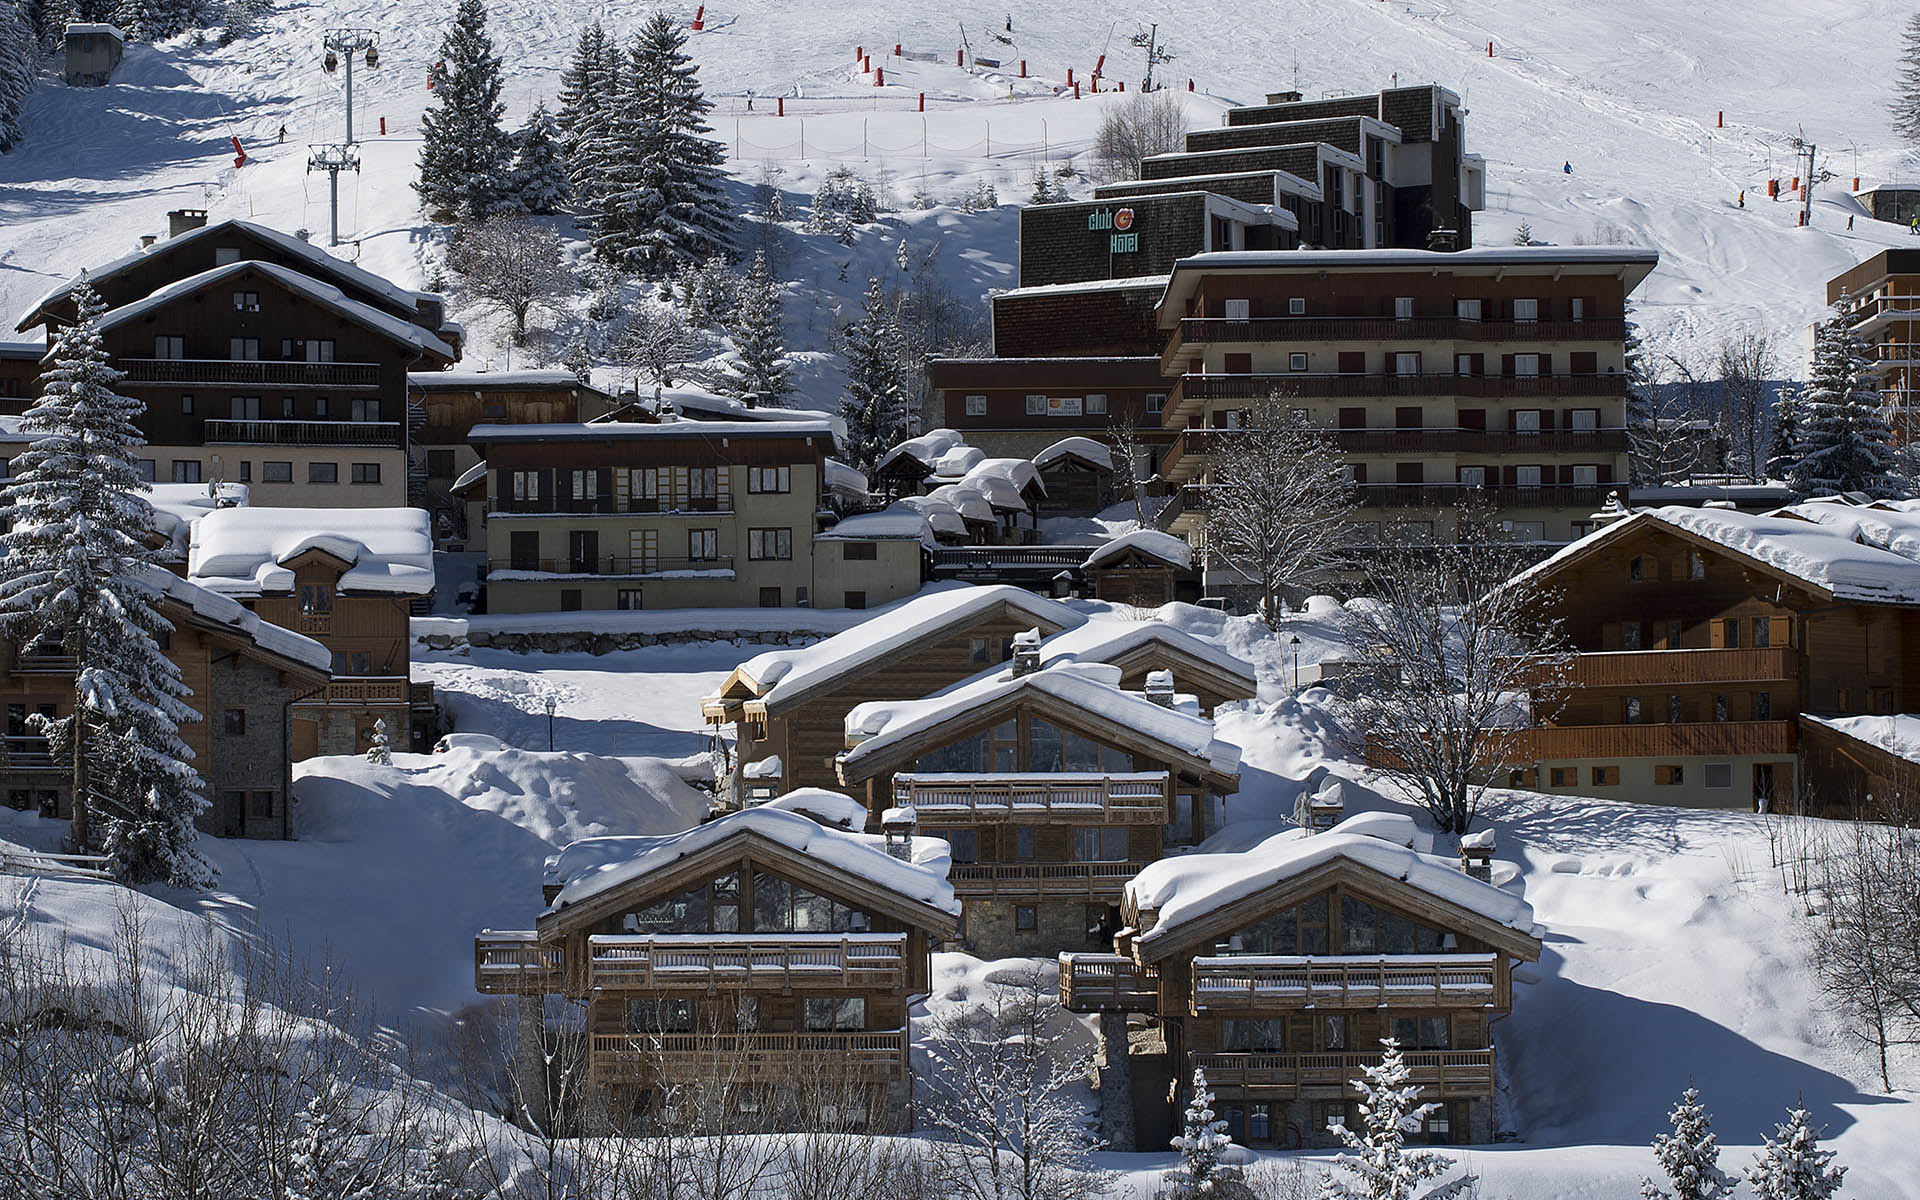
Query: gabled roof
x=596 y=868
x=1085 y=449
x=1197 y=897
x=884 y=732
x=1144 y=543
x=395 y=329
x=782 y=678
x=246 y=551
x=315 y=260
x=1116 y=642
x=219 y=610
x=498 y=381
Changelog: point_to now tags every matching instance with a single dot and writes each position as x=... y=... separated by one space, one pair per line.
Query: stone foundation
x=991 y=929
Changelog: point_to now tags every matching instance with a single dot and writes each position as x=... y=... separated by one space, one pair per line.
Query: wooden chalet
x=1078 y=475
x=1279 y=970
x=1145 y=568
x=763 y=954
x=1054 y=786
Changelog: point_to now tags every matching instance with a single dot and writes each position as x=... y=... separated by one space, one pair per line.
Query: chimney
x=182 y=219
x=1476 y=855
x=897 y=826
x=1444 y=240
x=148 y=239
x=1026 y=652
x=1326 y=807
x=1160 y=688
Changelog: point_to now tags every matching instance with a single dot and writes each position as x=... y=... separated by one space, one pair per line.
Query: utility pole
x=1148 y=39
x=335 y=157
x=1803 y=154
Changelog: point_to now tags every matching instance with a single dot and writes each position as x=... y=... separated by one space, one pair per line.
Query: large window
x=712 y=907
x=1423 y=1033
x=658 y=1014
x=784 y=906
x=963 y=845
x=1100 y=843
x=1051 y=748
x=323 y=472
x=364 y=409
x=769 y=479
x=824 y=1014
x=1301 y=930
x=1365 y=929
x=770 y=544
x=703 y=545
x=1253 y=1037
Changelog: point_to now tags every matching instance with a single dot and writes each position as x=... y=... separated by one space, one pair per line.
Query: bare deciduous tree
x=657 y=342
x=1141 y=126
x=1868 y=952
x=1664 y=434
x=1279 y=502
x=1123 y=434
x=511 y=264
x=1745 y=360
x=1456 y=639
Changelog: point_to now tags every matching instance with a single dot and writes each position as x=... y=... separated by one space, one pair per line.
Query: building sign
x=1118 y=225
x=1063 y=406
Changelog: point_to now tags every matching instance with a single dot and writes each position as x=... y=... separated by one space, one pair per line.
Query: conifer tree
x=1786 y=433
x=1381 y=1167
x=1690 y=1155
x=588 y=90
x=539 y=172
x=1906 y=88
x=1792 y=1166
x=465 y=156
x=81 y=581
x=19 y=62
x=875 y=402
x=1845 y=443
x=380 y=748
x=1201 y=1142
x=757 y=374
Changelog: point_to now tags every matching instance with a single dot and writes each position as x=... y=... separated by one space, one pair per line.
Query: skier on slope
x=1568 y=167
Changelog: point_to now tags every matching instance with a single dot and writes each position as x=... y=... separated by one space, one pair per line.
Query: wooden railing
x=1193 y=388
x=1210 y=330
x=26 y=752
x=1445 y=1072
x=1195 y=497
x=386 y=689
x=249 y=372
x=1093 y=880
x=514 y=963
x=1187 y=455
x=827 y=960
x=1663 y=668
x=877 y=1056
x=1228 y=984
x=1107 y=983
x=303 y=433
x=1708 y=738
x=1134 y=798
x=614 y=565
x=976 y=558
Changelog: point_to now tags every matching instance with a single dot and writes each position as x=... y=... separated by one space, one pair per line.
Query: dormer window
x=246 y=302
x=316 y=598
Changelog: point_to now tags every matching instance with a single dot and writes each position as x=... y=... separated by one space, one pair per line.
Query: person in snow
x=1568 y=167
x=1913 y=226
x=1743 y=198
x=1009 y=22
x=283 y=133
x=749 y=99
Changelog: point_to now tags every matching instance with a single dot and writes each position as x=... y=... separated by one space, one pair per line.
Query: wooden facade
x=1282 y=997
x=745 y=965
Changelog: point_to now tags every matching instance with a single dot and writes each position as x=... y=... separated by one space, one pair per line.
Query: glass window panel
x=811 y=913
x=964 y=845
x=772 y=902
x=1043 y=746
x=1358 y=927
x=966 y=754
x=1078 y=752
x=1115 y=761
x=1396 y=934
x=1113 y=844
x=1234 y=1036
x=1436 y=1033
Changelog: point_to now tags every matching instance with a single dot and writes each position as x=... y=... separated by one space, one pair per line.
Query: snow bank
x=243 y=551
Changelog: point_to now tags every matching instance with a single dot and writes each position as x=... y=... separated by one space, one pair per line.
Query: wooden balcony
x=1673 y=668
x=1194 y=390
x=45 y=664
x=303 y=433
x=28 y=753
x=877 y=1056
x=381 y=690
x=1107 y=983
x=1087 y=799
x=1197 y=332
x=1076 y=880
x=670 y=962
x=1187 y=456
x=1710 y=739
x=617 y=566
x=221 y=372
x=1265 y=983
x=514 y=963
x=1440 y=1073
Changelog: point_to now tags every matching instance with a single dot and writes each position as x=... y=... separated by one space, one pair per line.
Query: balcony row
x=619 y=566
x=1080 y=798
x=745 y=1058
x=1705 y=739
x=1090 y=881
x=1204 y=331
x=516 y=963
x=1329 y=1073
x=383 y=434
x=1674 y=668
x=25 y=752
x=1193 y=390
x=1186 y=457
x=609 y=505
x=220 y=372
x=1193 y=497
x=1277 y=983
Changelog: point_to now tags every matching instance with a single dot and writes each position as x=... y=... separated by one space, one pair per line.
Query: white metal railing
x=1132 y=797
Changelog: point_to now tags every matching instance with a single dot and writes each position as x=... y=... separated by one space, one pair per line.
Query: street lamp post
x=1294 y=642
x=553 y=702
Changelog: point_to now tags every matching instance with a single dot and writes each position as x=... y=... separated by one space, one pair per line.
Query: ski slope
x=1628 y=93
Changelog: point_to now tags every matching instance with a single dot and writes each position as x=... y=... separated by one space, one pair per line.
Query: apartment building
x=1497 y=373
x=1880 y=300
x=19 y=376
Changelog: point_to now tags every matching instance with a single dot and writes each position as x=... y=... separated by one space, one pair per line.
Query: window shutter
x=1506 y=365
x=604 y=478
x=1604 y=473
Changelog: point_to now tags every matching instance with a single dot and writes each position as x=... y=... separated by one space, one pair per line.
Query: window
x=1406 y=363
x=234 y=721
x=243 y=349
x=186 y=470
x=977 y=649
x=364 y=409
x=703 y=487
x=586 y=485
x=1719 y=775
x=1100 y=843
x=660 y=1014
x=1423 y=1033
x=859 y=552
x=1526 y=366
x=1296 y=306
x=963 y=845
x=366 y=472
x=627 y=600
x=1036 y=405
x=186 y=404
x=703 y=545
x=1473 y=476
x=1583 y=420
x=1297 y=361
x=320 y=407
x=1762 y=633
x=1636 y=568
x=1237 y=310
x=1096 y=404
x=1023 y=837
x=316 y=598
x=239 y=408
x=262 y=805
x=1526 y=476
x=246 y=302
x=1467 y=310
x=1563 y=777
x=1630 y=635
x=825 y=1014
x=1526 y=420
x=1259 y=1122
x=1026 y=919
x=286 y=407
x=1730 y=629
x=1403 y=307
x=1156 y=401
x=169 y=346
x=1676 y=712
x=1256 y=1036
x=855 y=600
x=765 y=544
x=526 y=485
x=976 y=406
x=746 y=1013
x=321 y=472
x=1335 y=1031
x=276 y=472
x=1668 y=775
x=246 y=472
x=1606 y=777
x=1719 y=706
x=319 y=350
x=1763 y=706
x=1577 y=309
x=1633 y=710
x=769 y=479
x=1437 y=1125
x=1585 y=476
x=1526 y=310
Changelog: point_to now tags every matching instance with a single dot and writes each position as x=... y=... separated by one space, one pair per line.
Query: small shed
x=1144 y=568
x=93 y=51
x=1078 y=474
x=1896 y=204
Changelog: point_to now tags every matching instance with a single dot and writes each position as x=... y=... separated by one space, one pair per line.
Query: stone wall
x=1061 y=925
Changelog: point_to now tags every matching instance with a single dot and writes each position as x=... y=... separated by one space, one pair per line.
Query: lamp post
x=1294 y=642
x=553 y=702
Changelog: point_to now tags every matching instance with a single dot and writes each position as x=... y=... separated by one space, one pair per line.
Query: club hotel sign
x=1118 y=225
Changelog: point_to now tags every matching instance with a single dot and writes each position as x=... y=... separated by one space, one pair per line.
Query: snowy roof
x=839 y=476
x=896 y=522
x=1093 y=688
x=594 y=865
x=74 y=27
x=609 y=431
x=1824 y=556
x=945 y=517
x=779 y=676
x=176 y=506
x=1003 y=480
x=1184 y=889
x=1890 y=527
x=1103 y=640
x=323 y=294
x=479 y=381
x=1543 y=257
x=1130 y=284
x=833 y=809
x=314 y=256
x=23 y=351
x=472 y=475
x=964 y=498
x=1077 y=447
x=1150 y=542
x=955 y=463
x=925 y=449
x=1898 y=735
x=224 y=611
x=243 y=551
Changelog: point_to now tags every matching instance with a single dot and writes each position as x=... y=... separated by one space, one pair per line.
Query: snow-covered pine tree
x=1690 y=1155
x=1381 y=1166
x=1786 y=433
x=588 y=88
x=662 y=209
x=539 y=172
x=1523 y=235
x=19 y=62
x=1906 y=87
x=1043 y=192
x=380 y=748
x=81 y=581
x=1845 y=443
x=1792 y=1166
x=875 y=402
x=466 y=158
x=756 y=375
x=1201 y=1142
